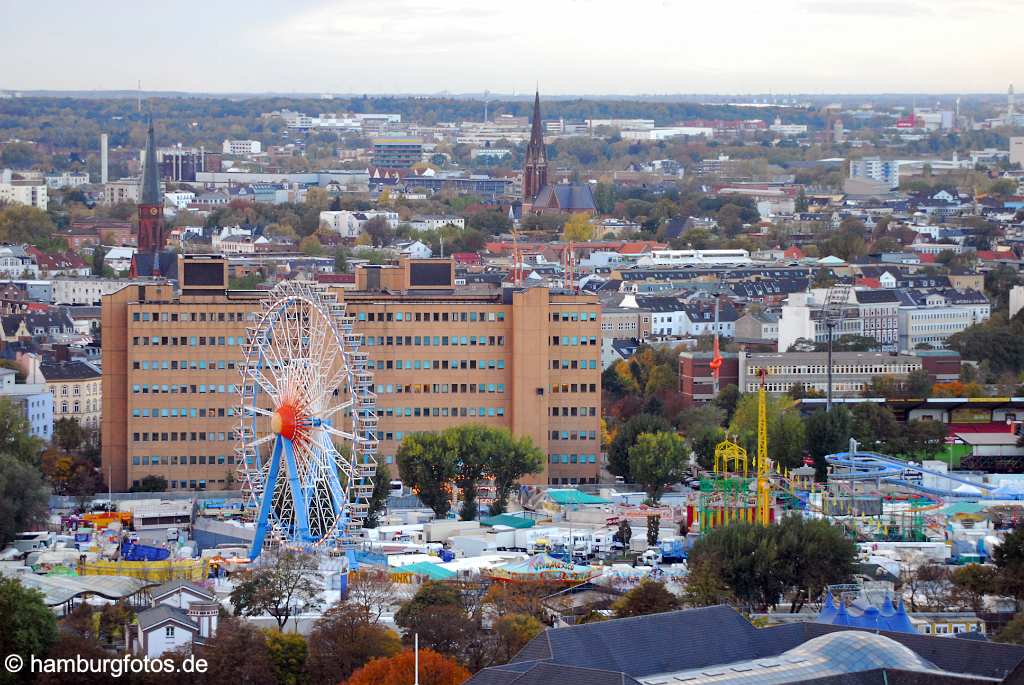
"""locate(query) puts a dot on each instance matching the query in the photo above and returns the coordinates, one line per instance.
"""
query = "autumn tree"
(434, 669)
(288, 655)
(512, 632)
(436, 613)
(649, 597)
(626, 437)
(345, 639)
(237, 653)
(577, 228)
(281, 586)
(373, 591)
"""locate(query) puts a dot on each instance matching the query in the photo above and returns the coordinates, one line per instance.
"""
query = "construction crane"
(764, 492)
(833, 312)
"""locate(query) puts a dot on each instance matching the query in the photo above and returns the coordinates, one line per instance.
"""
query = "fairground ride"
(307, 437)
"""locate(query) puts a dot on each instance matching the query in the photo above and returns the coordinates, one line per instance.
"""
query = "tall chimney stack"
(103, 157)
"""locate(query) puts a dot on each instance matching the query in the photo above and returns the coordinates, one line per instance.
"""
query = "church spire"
(535, 170)
(151, 171)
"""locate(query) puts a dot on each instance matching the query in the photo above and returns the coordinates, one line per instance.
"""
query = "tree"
(379, 231)
(24, 499)
(828, 433)
(649, 597)
(150, 483)
(875, 427)
(925, 438)
(786, 429)
(653, 529)
(345, 639)
(30, 628)
(437, 615)
(288, 653)
(427, 464)
(578, 228)
(656, 461)
(626, 437)
(435, 669)
(372, 591)
(379, 496)
(812, 554)
(972, 582)
(23, 224)
(237, 653)
(1009, 559)
(513, 631)
(521, 458)
(704, 587)
(1013, 632)
(281, 587)
(624, 534)
(68, 434)
(476, 448)
(310, 245)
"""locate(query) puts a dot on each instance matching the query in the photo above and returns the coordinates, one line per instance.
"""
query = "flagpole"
(416, 651)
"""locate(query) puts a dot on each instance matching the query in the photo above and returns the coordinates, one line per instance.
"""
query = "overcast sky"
(568, 46)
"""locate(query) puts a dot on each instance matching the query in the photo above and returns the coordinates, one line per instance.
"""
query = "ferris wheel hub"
(285, 421)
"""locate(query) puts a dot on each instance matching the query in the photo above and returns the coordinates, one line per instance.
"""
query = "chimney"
(104, 142)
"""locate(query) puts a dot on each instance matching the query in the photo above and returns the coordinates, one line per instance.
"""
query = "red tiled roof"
(336, 278)
(868, 282)
(927, 258)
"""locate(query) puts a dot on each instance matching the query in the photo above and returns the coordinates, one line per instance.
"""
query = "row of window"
(572, 458)
(190, 484)
(174, 412)
(193, 460)
(427, 364)
(573, 387)
(195, 317)
(146, 436)
(440, 388)
(418, 317)
(440, 411)
(174, 389)
(573, 316)
(573, 363)
(572, 411)
(573, 340)
(183, 365)
(574, 435)
(76, 389)
(434, 341)
(188, 340)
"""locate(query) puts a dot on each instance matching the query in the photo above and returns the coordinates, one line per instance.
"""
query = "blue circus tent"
(867, 618)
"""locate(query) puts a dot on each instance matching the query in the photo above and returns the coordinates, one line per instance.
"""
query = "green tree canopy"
(656, 461)
(785, 428)
(649, 597)
(626, 437)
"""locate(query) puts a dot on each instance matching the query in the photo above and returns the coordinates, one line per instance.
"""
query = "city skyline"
(569, 47)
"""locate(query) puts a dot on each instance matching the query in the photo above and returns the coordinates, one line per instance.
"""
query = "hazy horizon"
(570, 47)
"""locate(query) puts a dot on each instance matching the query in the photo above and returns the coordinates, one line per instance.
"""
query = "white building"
(885, 171)
(1017, 150)
(15, 262)
(695, 258)
(930, 318)
(119, 258)
(182, 613)
(125, 190)
(435, 222)
(87, 290)
(31, 193)
(787, 130)
(67, 179)
(1016, 299)
(414, 249)
(180, 199)
(241, 148)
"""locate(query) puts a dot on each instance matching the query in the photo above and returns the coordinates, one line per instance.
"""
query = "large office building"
(397, 153)
(526, 359)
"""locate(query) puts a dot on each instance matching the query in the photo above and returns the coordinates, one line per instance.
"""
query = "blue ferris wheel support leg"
(298, 495)
(266, 502)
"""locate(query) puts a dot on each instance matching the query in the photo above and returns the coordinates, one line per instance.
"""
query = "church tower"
(535, 171)
(151, 203)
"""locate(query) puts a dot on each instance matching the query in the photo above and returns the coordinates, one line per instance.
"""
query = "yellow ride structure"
(731, 458)
(764, 490)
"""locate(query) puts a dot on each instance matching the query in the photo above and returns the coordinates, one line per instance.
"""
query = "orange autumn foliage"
(435, 669)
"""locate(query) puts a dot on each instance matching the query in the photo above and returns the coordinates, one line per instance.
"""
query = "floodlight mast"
(833, 313)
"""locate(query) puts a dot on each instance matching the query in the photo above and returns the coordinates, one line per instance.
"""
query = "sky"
(625, 47)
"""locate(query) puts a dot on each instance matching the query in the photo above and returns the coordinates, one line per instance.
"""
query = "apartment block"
(523, 359)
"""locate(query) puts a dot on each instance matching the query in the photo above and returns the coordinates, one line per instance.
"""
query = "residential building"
(76, 390)
(626, 322)
(876, 169)
(125, 190)
(30, 193)
(758, 325)
(737, 257)
(397, 153)
(523, 359)
(696, 381)
(66, 179)
(1016, 300)
(241, 148)
(928, 319)
(183, 614)
(33, 400)
(16, 262)
(431, 222)
(1017, 150)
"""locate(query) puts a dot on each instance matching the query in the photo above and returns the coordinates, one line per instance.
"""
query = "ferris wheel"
(307, 437)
